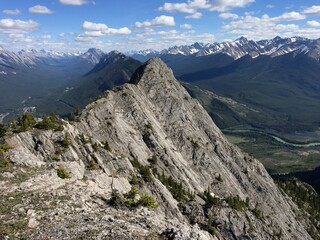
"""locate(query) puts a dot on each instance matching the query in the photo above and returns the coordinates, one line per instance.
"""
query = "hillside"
(112, 70)
(145, 161)
(28, 77)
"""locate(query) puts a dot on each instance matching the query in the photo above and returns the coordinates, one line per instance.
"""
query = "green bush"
(55, 157)
(129, 199)
(210, 200)
(4, 162)
(258, 213)
(3, 130)
(237, 203)
(66, 142)
(24, 122)
(153, 160)
(107, 146)
(143, 170)
(147, 201)
(63, 173)
(51, 122)
(176, 188)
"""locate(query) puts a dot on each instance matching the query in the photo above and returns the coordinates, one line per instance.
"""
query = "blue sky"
(76, 25)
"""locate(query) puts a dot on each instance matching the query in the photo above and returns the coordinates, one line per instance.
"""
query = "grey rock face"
(151, 117)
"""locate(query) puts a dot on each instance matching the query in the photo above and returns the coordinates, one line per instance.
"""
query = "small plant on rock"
(63, 173)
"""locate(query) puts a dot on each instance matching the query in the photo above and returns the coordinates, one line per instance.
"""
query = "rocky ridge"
(142, 133)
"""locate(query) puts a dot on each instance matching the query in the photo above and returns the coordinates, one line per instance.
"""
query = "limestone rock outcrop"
(152, 134)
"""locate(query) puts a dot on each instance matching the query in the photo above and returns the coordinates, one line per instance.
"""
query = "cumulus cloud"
(19, 38)
(186, 26)
(189, 7)
(290, 16)
(268, 27)
(193, 6)
(11, 12)
(312, 10)
(228, 16)
(196, 15)
(39, 9)
(313, 23)
(157, 22)
(223, 5)
(73, 2)
(8, 26)
(101, 29)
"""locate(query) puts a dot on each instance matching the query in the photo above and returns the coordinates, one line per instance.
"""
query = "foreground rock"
(149, 133)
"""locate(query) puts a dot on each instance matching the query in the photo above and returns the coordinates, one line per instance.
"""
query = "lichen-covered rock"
(151, 134)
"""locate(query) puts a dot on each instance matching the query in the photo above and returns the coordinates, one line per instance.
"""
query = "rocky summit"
(144, 161)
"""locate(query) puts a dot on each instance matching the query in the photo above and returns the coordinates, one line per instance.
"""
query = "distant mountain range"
(235, 49)
(40, 81)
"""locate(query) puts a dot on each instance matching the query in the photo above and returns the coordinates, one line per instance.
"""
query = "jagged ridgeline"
(145, 161)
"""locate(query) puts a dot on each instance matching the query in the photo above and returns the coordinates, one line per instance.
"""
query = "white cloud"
(189, 7)
(266, 27)
(228, 16)
(19, 38)
(313, 23)
(11, 12)
(186, 26)
(167, 32)
(269, 6)
(193, 6)
(157, 22)
(101, 29)
(226, 5)
(94, 26)
(39, 9)
(312, 10)
(46, 36)
(196, 15)
(8, 26)
(290, 16)
(73, 2)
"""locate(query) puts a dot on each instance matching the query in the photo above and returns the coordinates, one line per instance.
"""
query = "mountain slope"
(150, 133)
(113, 69)
(284, 86)
(27, 77)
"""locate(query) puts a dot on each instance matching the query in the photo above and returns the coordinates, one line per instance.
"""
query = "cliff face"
(149, 133)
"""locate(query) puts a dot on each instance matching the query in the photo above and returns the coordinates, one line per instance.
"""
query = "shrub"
(50, 122)
(143, 170)
(66, 140)
(210, 200)
(129, 199)
(147, 201)
(4, 162)
(153, 160)
(258, 213)
(3, 130)
(237, 203)
(24, 122)
(55, 157)
(63, 173)
(107, 146)
(176, 188)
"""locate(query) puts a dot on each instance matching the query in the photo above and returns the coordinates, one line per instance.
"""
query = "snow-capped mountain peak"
(238, 48)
